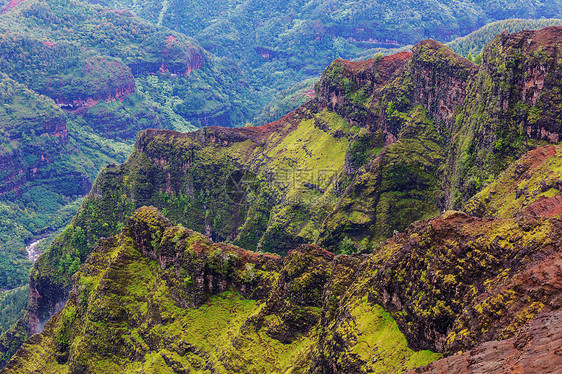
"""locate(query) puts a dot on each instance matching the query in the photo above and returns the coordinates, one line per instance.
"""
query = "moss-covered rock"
(162, 298)
(530, 186)
(386, 142)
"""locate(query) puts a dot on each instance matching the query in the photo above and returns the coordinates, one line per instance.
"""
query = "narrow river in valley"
(32, 250)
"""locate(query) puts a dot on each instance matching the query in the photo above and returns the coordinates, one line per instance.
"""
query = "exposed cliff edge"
(165, 296)
(385, 142)
(33, 134)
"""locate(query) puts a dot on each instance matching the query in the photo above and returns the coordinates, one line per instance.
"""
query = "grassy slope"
(126, 304)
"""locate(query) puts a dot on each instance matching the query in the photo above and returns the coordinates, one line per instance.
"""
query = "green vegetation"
(12, 306)
(381, 342)
(473, 43)
(384, 143)
(400, 187)
(44, 171)
(96, 65)
(530, 184)
(74, 52)
(514, 121)
(161, 298)
(281, 43)
(322, 174)
(143, 315)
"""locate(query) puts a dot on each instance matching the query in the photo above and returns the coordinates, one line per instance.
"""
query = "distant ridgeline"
(77, 82)
(282, 42)
(474, 42)
(385, 142)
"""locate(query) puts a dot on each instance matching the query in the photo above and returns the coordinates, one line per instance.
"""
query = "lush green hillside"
(79, 46)
(287, 101)
(474, 42)
(385, 142)
(283, 43)
(77, 83)
(225, 328)
(158, 78)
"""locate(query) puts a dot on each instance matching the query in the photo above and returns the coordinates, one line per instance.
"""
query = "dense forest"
(78, 81)
(282, 42)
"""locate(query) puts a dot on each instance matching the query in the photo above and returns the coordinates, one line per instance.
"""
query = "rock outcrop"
(163, 295)
(535, 349)
(385, 142)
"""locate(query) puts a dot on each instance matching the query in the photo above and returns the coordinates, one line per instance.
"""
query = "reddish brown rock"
(537, 348)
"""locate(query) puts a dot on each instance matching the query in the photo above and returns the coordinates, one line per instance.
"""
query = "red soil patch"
(404, 56)
(549, 36)
(537, 157)
(385, 61)
(545, 207)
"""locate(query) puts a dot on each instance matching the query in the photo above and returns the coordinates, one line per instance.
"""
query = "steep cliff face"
(457, 281)
(531, 186)
(535, 58)
(438, 79)
(34, 134)
(165, 297)
(379, 89)
(471, 139)
(385, 142)
(371, 154)
(351, 88)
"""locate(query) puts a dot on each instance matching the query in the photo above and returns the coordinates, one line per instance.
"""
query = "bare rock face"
(438, 79)
(535, 349)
